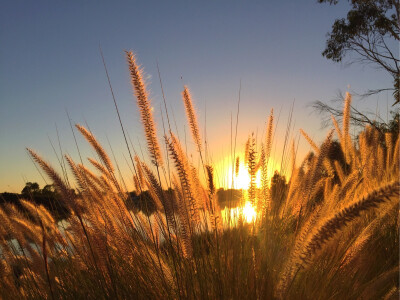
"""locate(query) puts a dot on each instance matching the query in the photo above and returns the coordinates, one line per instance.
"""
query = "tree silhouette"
(371, 30)
(31, 188)
(278, 192)
(48, 190)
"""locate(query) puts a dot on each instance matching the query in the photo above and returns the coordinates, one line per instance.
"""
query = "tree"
(30, 188)
(48, 197)
(371, 30)
(357, 117)
(278, 192)
(48, 189)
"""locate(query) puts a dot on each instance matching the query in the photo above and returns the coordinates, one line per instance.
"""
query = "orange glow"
(231, 216)
(249, 212)
(242, 180)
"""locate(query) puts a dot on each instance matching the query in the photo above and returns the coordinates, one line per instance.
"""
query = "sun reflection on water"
(249, 212)
(231, 216)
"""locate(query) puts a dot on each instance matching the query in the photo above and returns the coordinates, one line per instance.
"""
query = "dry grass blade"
(146, 114)
(77, 174)
(337, 128)
(246, 151)
(191, 116)
(210, 179)
(356, 248)
(349, 213)
(251, 163)
(96, 146)
(389, 149)
(268, 136)
(58, 182)
(154, 187)
(184, 174)
(346, 124)
(375, 287)
(105, 172)
(264, 184)
(310, 141)
(237, 166)
(212, 204)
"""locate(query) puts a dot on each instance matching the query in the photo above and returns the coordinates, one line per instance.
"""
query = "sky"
(50, 65)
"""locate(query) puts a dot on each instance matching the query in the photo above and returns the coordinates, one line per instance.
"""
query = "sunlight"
(231, 216)
(249, 213)
(242, 180)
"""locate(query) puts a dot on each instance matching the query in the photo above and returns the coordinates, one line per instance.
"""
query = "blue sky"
(50, 63)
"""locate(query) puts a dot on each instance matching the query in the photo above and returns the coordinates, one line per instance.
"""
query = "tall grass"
(329, 232)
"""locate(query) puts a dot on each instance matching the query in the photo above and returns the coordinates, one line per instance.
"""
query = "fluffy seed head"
(143, 102)
(191, 116)
(96, 146)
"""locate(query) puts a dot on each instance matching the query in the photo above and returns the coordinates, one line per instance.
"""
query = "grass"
(330, 232)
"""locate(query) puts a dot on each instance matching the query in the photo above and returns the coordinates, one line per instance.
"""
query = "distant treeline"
(49, 198)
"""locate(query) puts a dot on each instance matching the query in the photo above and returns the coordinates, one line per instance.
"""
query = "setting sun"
(241, 180)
